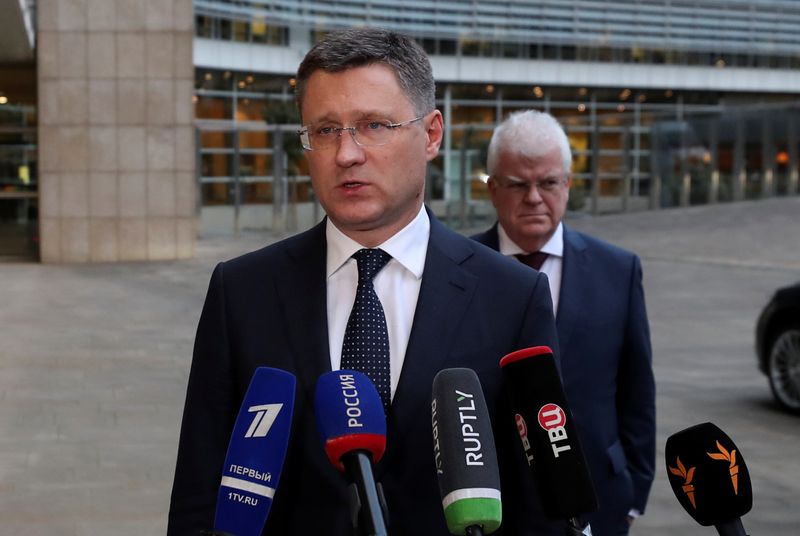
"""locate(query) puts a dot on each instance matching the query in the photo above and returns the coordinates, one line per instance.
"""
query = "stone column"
(116, 145)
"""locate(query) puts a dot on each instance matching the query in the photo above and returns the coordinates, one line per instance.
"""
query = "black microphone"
(466, 461)
(549, 437)
(352, 424)
(255, 455)
(709, 477)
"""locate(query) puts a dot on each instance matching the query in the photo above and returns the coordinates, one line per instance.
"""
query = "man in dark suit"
(366, 98)
(602, 325)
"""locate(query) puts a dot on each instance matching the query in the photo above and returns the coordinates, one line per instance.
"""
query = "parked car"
(778, 346)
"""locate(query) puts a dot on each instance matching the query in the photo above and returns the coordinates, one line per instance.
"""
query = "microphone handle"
(575, 528)
(733, 527)
(474, 530)
(358, 466)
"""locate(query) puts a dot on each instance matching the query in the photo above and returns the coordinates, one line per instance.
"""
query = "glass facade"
(19, 174)
(636, 146)
(633, 149)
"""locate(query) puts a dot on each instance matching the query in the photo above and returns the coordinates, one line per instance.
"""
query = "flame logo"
(733, 468)
(688, 487)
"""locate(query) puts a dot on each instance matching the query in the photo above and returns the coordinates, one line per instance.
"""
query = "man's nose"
(348, 152)
(532, 195)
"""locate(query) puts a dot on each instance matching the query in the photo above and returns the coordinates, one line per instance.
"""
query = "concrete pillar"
(594, 130)
(713, 149)
(116, 143)
(739, 171)
(794, 159)
(625, 142)
(767, 158)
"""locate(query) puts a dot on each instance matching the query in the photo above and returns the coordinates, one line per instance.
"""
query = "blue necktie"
(366, 340)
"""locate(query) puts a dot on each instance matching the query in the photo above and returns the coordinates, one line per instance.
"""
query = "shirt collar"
(409, 246)
(553, 247)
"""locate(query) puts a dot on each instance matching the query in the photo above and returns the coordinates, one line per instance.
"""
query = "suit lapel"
(306, 309)
(574, 276)
(445, 292)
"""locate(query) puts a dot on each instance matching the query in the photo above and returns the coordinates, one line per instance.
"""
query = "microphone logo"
(733, 468)
(522, 429)
(551, 416)
(263, 420)
(552, 419)
(688, 487)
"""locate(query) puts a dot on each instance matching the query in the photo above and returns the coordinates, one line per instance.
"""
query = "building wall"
(116, 142)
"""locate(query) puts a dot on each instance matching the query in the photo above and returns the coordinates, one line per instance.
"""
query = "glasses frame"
(511, 183)
(305, 139)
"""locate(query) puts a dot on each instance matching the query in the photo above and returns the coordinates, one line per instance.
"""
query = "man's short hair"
(359, 47)
(530, 133)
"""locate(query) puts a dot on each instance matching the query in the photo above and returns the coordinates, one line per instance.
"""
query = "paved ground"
(94, 361)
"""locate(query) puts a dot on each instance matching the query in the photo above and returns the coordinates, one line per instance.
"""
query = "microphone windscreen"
(256, 452)
(708, 474)
(548, 434)
(349, 415)
(463, 446)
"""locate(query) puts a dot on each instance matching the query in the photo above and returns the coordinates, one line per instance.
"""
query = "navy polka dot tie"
(366, 340)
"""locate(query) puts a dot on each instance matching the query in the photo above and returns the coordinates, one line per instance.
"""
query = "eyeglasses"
(366, 133)
(516, 185)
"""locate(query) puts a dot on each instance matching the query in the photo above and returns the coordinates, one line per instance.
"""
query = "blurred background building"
(666, 103)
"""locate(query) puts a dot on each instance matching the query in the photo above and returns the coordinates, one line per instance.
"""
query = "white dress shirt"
(397, 286)
(553, 264)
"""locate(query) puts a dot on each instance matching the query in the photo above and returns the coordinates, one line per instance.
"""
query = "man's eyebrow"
(367, 114)
(510, 178)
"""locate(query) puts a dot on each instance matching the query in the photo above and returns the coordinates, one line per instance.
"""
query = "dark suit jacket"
(268, 308)
(606, 365)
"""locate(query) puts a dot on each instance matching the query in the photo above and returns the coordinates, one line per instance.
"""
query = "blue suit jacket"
(606, 365)
(268, 308)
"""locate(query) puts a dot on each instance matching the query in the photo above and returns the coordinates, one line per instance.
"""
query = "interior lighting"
(720, 63)
(583, 91)
(624, 94)
(642, 97)
(241, 84)
(668, 93)
(581, 107)
(249, 78)
(620, 107)
(489, 88)
(782, 157)
(3, 99)
(538, 92)
(292, 82)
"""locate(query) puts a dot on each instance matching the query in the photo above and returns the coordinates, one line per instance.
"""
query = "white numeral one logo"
(262, 422)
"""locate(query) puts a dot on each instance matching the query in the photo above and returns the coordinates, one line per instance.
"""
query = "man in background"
(598, 300)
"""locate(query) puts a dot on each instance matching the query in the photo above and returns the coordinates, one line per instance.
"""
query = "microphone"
(466, 461)
(549, 437)
(352, 424)
(709, 477)
(255, 455)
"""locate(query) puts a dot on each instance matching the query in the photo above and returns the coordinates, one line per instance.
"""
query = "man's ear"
(434, 130)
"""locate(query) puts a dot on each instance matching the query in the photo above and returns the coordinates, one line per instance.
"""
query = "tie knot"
(370, 262)
(535, 260)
